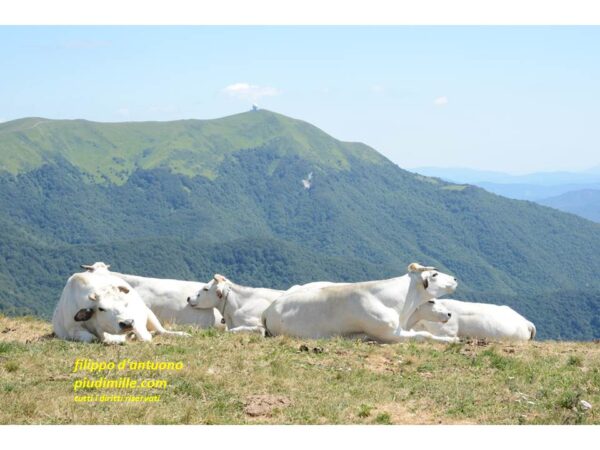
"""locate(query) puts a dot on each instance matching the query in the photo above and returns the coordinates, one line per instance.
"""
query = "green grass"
(455, 187)
(238, 379)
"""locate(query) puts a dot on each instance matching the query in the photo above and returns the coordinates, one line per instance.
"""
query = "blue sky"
(515, 99)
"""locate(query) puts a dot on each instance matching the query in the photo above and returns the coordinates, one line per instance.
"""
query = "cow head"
(96, 267)
(434, 282)
(432, 311)
(109, 307)
(212, 294)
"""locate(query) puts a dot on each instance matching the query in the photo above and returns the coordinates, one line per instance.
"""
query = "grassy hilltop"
(239, 379)
(111, 152)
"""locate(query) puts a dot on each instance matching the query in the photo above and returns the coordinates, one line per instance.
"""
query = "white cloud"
(377, 89)
(251, 92)
(441, 101)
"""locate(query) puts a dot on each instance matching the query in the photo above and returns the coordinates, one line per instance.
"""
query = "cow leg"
(383, 324)
(84, 336)
(380, 322)
(248, 329)
(154, 324)
(113, 338)
(406, 335)
(142, 334)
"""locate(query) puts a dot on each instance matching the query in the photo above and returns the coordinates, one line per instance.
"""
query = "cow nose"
(189, 299)
(455, 279)
(449, 315)
(126, 324)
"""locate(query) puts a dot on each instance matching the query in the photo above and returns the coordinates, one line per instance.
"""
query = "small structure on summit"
(254, 107)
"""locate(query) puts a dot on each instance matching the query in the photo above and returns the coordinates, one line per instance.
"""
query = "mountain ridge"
(364, 219)
(111, 151)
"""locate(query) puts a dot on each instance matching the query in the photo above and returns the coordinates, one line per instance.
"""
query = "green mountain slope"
(190, 198)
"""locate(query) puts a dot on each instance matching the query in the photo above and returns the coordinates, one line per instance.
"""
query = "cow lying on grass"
(166, 298)
(240, 306)
(100, 306)
(379, 309)
(481, 321)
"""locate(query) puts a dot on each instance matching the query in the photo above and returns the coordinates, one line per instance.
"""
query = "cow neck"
(415, 296)
(412, 320)
(224, 302)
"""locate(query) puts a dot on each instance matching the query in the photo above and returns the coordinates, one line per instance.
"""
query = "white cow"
(167, 298)
(240, 306)
(432, 311)
(103, 307)
(482, 321)
(380, 309)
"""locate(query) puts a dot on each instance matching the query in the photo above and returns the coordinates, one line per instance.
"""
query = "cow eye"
(434, 275)
(431, 301)
(101, 309)
(205, 289)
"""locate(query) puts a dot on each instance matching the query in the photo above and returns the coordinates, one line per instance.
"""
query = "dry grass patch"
(265, 404)
(237, 378)
(24, 329)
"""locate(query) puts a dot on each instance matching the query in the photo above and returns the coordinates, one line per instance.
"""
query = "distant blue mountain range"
(574, 192)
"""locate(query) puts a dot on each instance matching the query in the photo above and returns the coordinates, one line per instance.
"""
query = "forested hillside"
(190, 198)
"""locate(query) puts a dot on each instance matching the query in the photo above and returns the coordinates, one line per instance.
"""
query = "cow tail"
(531, 331)
(263, 320)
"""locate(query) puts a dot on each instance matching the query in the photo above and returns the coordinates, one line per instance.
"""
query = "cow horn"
(416, 267)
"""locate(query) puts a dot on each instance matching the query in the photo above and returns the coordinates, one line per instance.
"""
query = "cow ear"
(93, 297)
(84, 314)
(124, 289)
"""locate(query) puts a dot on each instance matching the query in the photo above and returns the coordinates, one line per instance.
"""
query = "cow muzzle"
(126, 325)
